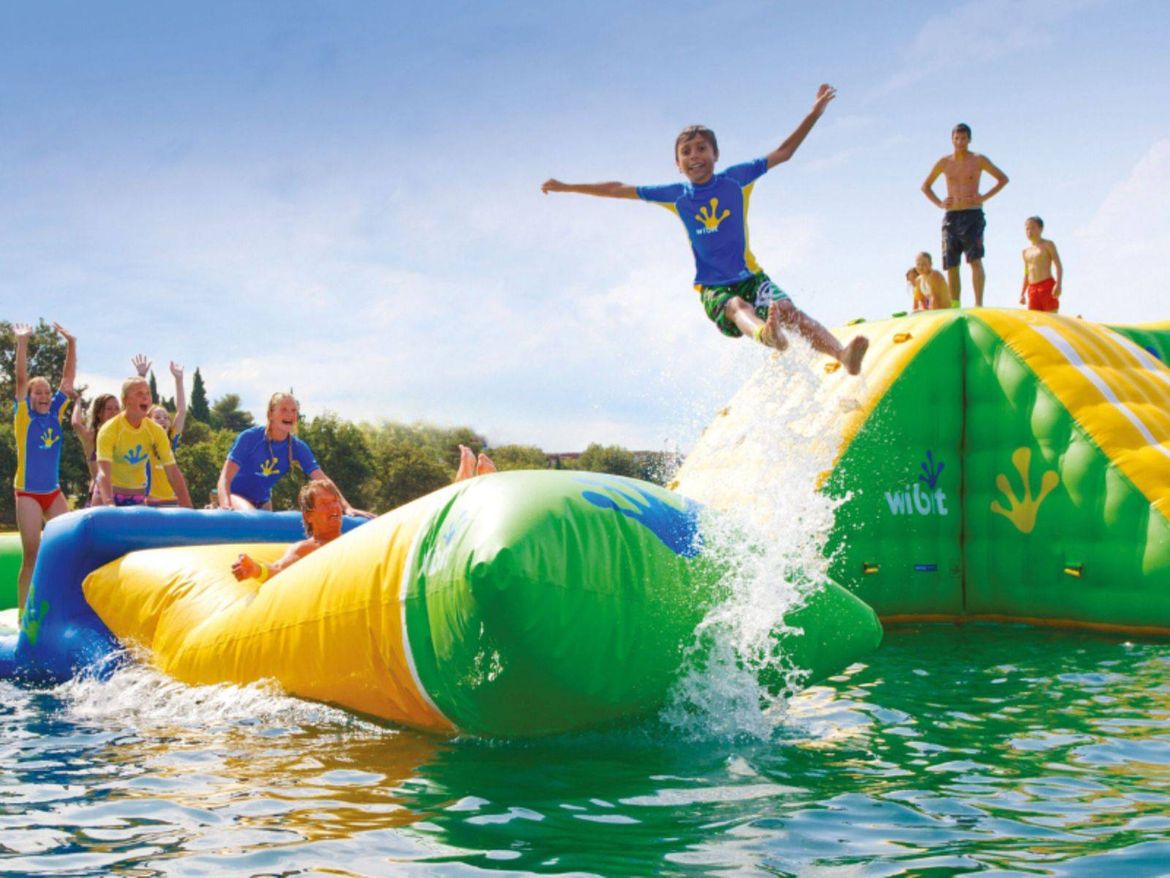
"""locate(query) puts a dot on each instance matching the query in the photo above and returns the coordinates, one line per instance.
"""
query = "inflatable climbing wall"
(989, 464)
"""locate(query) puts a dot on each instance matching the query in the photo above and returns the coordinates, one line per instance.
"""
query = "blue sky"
(344, 198)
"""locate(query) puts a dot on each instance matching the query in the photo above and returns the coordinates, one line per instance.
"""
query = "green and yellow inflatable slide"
(512, 604)
(991, 464)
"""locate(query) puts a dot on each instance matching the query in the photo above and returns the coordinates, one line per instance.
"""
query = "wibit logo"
(49, 438)
(268, 468)
(135, 455)
(1023, 509)
(678, 529)
(924, 497)
(710, 217)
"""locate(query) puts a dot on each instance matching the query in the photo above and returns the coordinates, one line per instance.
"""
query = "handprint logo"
(677, 529)
(135, 455)
(931, 470)
(1023, 509)
(710, 216)
(49, 438)
(268, 468)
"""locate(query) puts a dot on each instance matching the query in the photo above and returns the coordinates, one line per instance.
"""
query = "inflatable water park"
(999, 465)
(993, 465)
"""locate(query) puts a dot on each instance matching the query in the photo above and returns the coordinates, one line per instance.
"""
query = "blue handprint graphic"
(678, 529)
(135, 455)
(931, 470)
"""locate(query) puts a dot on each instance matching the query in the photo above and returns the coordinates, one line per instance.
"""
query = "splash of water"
(734, 683)
(140, 697)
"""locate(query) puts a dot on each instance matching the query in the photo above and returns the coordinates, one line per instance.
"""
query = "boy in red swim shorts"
(1041, 290)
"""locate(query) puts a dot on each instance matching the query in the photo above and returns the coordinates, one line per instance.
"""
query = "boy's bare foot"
(854, 353)
(466, 464)
(773, 336)
(484, 465)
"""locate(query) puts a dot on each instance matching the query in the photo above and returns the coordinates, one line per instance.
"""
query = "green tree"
(195, 431)
(405, 472)
(507, 457)
(198, 408)
(226, 414)
(46, 357)
(658, 467)
(7, 471)
(201, 462)
(344, 454)
(612, 459)
(153, 387)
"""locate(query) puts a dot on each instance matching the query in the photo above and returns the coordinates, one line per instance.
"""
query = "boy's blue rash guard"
(715, 217)
(262, 462)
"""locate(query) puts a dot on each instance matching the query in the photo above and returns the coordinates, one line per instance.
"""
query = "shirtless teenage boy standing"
(963, 224)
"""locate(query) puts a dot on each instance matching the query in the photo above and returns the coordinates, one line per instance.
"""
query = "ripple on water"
(873, 773)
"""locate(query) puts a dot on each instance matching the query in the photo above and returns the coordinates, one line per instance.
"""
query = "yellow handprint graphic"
(707, 216)
(268, 468)
(1023, 510)
(50, 438)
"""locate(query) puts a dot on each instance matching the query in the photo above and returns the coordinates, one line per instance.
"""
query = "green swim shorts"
(758, 291)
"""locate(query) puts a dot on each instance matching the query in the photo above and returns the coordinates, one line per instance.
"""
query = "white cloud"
(974, 33)
(1119, 252)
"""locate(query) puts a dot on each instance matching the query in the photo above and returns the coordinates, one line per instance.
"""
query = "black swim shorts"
(962, 232)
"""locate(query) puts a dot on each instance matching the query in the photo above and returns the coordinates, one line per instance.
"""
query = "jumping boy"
(931, 283)
(38, 421)
(1041, 289)
(963, 223)
(736, 294)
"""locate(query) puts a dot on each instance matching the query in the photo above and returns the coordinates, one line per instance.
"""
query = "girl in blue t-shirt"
(38, 422)
(261, 455)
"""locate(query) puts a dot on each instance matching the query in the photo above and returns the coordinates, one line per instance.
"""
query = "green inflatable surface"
(10, 558)
(994, 464)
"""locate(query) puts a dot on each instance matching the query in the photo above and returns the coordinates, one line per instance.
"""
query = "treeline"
(377, 466)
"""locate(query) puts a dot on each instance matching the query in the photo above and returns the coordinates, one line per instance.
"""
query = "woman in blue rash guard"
(261, 455)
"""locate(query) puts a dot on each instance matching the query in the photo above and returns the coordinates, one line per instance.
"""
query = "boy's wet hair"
(929, 258)
(693, 131)
(39, 380)
(307, 498)
(962, 126)
(1036, 220)
(95, 410)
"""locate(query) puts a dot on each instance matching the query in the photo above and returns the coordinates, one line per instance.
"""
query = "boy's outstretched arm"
(605, 190)
(788, 148)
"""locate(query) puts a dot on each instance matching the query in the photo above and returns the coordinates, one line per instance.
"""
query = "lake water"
(1002, 750)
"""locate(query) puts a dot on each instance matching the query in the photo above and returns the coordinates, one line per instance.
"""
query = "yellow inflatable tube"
(522, 603)
(328, 629)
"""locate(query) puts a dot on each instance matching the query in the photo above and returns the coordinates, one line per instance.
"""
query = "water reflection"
(951, 750)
